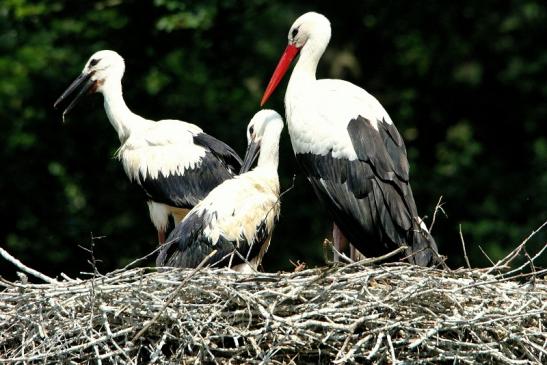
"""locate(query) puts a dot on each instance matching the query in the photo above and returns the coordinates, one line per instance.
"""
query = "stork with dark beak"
(237, 218)
(174, 162)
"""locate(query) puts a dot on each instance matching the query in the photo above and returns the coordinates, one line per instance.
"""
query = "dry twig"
(359, 312)
(6, 255)
(464, 250)
(438, 207)
(343, 313)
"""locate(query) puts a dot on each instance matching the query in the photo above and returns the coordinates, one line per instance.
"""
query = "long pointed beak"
(250, 156)
(282, 67)
(84, 80)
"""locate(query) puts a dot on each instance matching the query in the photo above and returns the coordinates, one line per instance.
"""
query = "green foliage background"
(466, 83)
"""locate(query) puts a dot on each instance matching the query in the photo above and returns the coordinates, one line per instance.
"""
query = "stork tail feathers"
(424, 250)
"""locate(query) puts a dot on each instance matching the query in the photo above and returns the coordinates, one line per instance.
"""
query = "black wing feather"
(187, 245)
(396, 149)
(370, 198)
(185, 191)
(221, 150)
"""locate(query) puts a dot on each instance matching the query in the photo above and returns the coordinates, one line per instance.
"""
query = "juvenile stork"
(350, 150)
(174, 162)
(237, 217)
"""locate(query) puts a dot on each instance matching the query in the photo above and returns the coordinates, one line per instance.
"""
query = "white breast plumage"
(318, 118)
(257, 201)
(152, 150)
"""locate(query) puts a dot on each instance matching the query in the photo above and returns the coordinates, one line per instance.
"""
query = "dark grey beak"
(83, 82)
(250, 156)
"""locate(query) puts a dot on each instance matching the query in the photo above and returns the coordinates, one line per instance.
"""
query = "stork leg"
(340, 241)
(161, 237)
(355, 254)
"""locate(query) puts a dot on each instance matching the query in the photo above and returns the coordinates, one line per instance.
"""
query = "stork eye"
(251, 129)
(93, 62)
(294, 32)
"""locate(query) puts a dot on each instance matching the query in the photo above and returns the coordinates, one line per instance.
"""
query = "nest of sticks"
(357, 312)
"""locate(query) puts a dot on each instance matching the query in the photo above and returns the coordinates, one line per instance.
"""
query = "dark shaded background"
(466, 84)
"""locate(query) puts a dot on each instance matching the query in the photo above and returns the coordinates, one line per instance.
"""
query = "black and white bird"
(174, 162)
(237, 218)
(350, 150)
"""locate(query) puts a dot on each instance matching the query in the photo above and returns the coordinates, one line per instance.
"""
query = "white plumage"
(240, 205)
(175, 162)
(350, 150)
(166, 147)
(238, 216)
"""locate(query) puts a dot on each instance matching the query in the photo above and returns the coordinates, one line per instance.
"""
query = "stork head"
(102, 67)
(312, 29)
(263, 125)
(309, 25)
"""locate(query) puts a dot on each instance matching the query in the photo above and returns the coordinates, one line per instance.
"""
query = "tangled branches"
(359, 312)
(335, 314)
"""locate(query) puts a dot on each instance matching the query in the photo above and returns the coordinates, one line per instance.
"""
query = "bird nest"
(357, 312)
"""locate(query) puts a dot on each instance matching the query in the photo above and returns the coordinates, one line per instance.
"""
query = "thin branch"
(360, 312)
(374, 260)
(530, 261)
(464, 250)
(5, 254)
(145, 257)
(438, 207)
(173, 296)
(486, 255)
(511, 256)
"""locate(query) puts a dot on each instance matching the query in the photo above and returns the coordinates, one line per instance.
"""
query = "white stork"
(350, 151)
(237, 217)
(174, 162)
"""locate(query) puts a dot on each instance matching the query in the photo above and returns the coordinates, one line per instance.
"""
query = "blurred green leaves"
(464, 82)
(458, 151)
(201, 18)
(75, 199)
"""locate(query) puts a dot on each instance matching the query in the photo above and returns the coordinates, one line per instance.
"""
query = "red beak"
(282, 66)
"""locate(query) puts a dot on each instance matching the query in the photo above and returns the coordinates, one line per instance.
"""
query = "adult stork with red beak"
(351, 152)
(174, 162)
